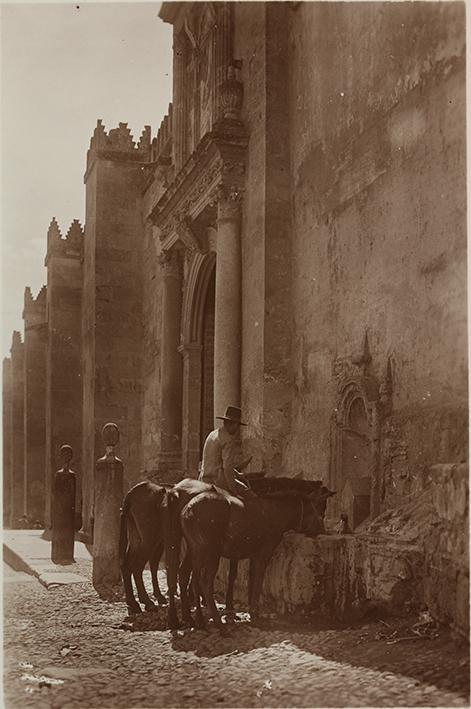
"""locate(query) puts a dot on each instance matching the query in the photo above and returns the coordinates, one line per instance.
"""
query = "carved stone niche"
(356, 459)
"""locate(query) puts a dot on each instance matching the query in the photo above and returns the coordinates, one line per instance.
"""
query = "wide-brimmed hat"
(233, 413)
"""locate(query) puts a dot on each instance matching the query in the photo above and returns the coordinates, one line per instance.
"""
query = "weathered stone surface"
(108, 495)
(410, 557)
(378, 175)
(7, 440)
(64, 349)
(35, 346)
(18, 492)
(112, 306)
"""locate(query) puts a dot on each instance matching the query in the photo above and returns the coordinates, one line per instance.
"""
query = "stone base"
(407, 559)
(336, 576)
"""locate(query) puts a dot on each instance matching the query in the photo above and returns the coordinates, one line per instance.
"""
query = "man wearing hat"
(222, 454)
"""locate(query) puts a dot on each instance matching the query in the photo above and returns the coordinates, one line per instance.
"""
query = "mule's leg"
(184, 574)
(230, 586)
(210, 568)
(154, 567)
(258, 565)
(127, 563)
(132, 604)
(139, 564)
(196, 588)
(173, 539)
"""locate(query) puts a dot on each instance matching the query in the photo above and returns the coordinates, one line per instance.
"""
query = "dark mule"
(141, 541)
(216, 524)
(175, 500)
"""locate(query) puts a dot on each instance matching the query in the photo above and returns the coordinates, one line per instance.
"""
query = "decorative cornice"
(219, 161)
(178, 229)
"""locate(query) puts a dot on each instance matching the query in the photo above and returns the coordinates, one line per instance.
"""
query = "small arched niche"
(355, 454)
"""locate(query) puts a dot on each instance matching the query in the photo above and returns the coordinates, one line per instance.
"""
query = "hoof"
(134, 610)
(151, 608)
(173, 622)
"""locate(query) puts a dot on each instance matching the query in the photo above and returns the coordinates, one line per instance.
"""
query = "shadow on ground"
(385, 646)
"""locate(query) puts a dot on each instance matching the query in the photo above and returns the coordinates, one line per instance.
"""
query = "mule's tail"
(123, 530)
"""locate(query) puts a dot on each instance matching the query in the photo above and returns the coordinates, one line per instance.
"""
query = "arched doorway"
(197, 349)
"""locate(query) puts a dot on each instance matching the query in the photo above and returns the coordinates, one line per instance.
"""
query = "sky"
(63, 66)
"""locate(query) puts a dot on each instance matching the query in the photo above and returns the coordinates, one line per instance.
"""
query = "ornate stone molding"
(231, 94)
(214, 171)
(228, 203)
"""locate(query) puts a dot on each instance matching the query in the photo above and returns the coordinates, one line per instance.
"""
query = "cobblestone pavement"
(64, 648)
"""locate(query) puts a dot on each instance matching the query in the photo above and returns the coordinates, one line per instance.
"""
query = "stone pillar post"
(191, 408)
(108, 498)
(63, 511)
(228, 331)
(171, 367)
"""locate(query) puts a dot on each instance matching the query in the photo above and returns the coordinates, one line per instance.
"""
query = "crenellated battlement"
(119, 143)
(16, 340)
(162, 143)
(69, 246)
(34, 311)
(32, 304)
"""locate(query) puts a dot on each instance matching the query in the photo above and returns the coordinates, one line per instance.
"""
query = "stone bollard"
(63, 511)
(108, 498)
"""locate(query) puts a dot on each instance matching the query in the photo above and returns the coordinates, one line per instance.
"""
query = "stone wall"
(18, 502)
(7, 439)
(447, 548)
(35, 347)
(112, 308)
(63, 359)
(377, 128)
(408, 559)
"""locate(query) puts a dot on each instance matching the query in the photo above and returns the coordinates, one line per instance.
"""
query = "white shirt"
(221, 454)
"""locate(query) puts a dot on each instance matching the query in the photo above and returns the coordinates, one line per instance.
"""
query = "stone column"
(228, 331)
(170, 367)
(191, 408)
(108, 498)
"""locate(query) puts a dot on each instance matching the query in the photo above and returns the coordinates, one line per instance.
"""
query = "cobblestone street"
(64, 648)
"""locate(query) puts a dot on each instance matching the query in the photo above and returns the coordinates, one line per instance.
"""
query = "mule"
(215, 524)
(141, 540)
